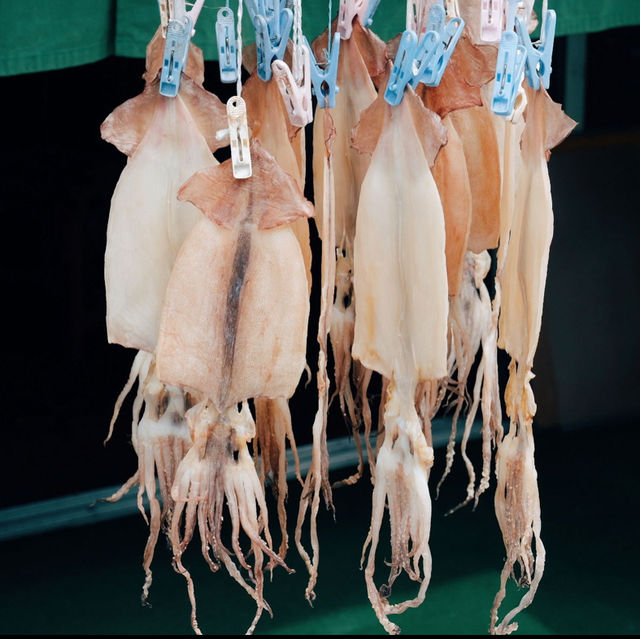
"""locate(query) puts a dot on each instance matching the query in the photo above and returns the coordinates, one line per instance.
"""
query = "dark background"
(61, 377)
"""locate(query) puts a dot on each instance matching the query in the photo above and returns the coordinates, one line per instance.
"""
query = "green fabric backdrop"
(52, 34)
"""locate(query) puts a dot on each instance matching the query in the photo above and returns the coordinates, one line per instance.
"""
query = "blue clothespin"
(176, 49)
(324, 80)
(538, 64)
(512, 57)
(268, 50)
(427, 48)
(403, 68)
(437, 18)
(449, 36)
(373, 5)
(227, 45)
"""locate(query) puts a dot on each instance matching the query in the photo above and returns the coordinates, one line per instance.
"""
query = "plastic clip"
(324, 80)
(437, 65)
(491, 15)
(437, 19)
(239, 138)
(371, 9)
(348, 10)
(427, 48)
(266, 49)
(403, 68)
(227, 45)
(509, 69)
(176, 49)
(296, 98)
(538, 65)
(163, 6)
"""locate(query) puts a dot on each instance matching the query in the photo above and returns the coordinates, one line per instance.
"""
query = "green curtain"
(53, 34)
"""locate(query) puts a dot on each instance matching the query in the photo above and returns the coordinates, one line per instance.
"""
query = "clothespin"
(538, 63)
(402, 72)
(417, 16)
(491, 15)
(163, 5)
(324, 80)
(448, 40)
(452, 9)
(371, 9)
(180, 29)
(296, 98)
(239, 138)
(227, 45)
(267, 49)
(437, 18)
(350, 9)
(422, 67)
(512, 57)
(436, 47)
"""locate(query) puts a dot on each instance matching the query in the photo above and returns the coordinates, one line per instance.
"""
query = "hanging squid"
(522, 280)
(233, 328)
(270, 125)
(166, 141)
(400, 285)
(362, 56)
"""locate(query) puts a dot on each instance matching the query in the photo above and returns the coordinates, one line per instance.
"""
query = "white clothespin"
(163, 5)
(239, 138)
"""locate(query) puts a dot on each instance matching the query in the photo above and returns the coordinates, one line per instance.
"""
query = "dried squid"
(270, 125)
(400, 284)
(167, 140)
(362, 56)
(233, 328)
(522, 283)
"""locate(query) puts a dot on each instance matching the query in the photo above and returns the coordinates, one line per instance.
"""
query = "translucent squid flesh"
(233, 327)
(401, 324)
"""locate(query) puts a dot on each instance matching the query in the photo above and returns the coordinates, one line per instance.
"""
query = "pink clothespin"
(491, 17)
(296, 97)
(348, 10)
